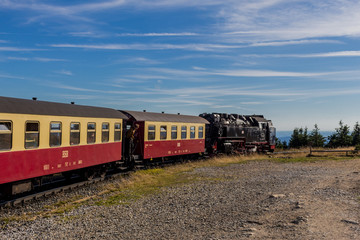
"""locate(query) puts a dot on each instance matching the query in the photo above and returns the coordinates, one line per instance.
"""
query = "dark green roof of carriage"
(24, 106)
(164, 117)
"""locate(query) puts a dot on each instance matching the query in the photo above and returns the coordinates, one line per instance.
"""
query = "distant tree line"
(340, 138)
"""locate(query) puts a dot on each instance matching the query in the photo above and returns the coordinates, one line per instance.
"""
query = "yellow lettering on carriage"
(65, 154)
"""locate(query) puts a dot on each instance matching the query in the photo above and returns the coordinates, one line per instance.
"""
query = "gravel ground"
(256, 200)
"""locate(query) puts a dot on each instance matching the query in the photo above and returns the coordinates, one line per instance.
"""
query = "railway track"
(21, 200)
(54, 188)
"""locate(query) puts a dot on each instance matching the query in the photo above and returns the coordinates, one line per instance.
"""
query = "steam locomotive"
(234, 133)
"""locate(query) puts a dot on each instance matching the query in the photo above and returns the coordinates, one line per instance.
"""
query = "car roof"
(25, 106)
(163, 117)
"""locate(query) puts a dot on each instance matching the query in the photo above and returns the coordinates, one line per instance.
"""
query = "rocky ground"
(256, 200)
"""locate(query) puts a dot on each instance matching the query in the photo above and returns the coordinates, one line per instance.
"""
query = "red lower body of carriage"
(21, 165)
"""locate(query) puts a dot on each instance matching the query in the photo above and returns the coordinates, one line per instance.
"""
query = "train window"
(55, 134)
(163, 132)
(5, 135)
(192, 132)
(183, 132)
(151, 132)
(201, 132)
(74, 133)
(173, 132)
(32, 133)
(117, 134)
(105, 132)
(91, 133)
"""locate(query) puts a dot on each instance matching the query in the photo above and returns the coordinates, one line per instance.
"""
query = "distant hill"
(286, 135)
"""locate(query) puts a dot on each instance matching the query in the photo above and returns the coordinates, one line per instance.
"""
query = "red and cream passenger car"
(44, 138)
(163, 135)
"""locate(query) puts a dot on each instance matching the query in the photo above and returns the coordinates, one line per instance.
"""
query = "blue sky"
(296, 62)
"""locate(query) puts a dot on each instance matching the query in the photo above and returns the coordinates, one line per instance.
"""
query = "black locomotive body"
(234, 133)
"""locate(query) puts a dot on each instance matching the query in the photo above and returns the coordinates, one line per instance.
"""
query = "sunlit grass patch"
(144, 182)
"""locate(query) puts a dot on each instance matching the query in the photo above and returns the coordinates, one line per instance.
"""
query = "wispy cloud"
(78, 96)
(332, 54)
(18, 58)
(279, 20)
(199, 68)
(40, 59)
(241, 73)
(157, 34)
(192, 47)
(138, 60)
(68, 87)
(268, 73)
(124, 80)
(5, 76)
(295, 42)
(17, 49)
(78, 12)
(147, 76)
(86, 34)
(37, 59)
(252, 103)
(220, 90)
(311, 55)
(65, 72)
(37, 11)
(61, 9)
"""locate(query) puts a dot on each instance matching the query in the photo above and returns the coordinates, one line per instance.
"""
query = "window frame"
(27, 132)
(74, 131)
(117, 130)
(91, 131)
(8, 132)
(192, 132)
(55, 131)
(162, 132)
(174, 131)
(183, 130)
(202, 132)
(107, 130)
(151, 131)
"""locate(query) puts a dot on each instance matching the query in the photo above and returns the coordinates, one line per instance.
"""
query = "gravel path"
(256, 200)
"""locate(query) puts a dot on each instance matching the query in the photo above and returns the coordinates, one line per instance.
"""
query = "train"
(40, 140)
